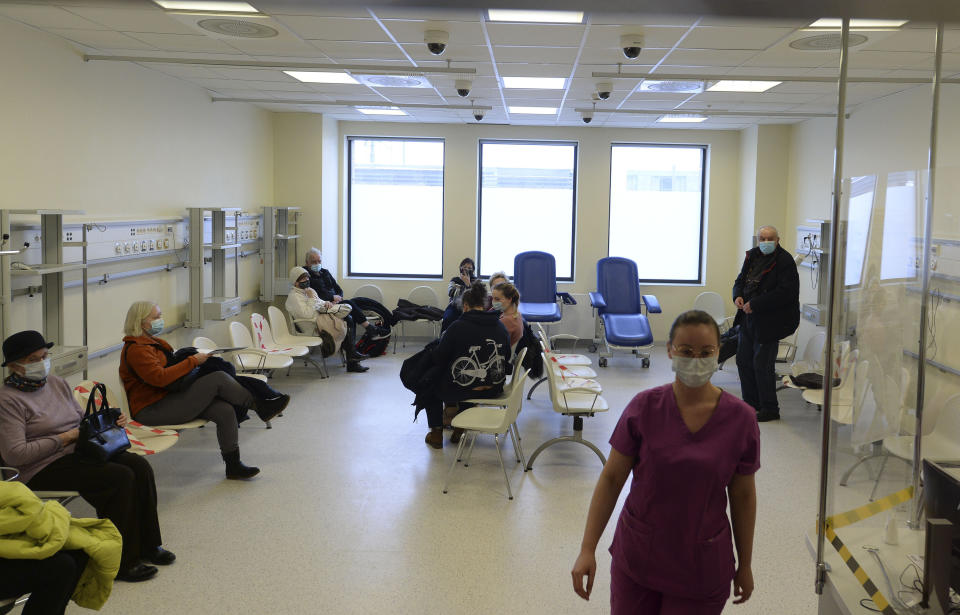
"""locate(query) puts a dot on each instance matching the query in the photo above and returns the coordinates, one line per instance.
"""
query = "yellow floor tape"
(836, 522)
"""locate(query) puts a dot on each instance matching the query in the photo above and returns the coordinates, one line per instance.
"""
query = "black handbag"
(100, 439)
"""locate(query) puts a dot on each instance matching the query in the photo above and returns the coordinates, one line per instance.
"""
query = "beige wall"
(460, 213)
(121, 141)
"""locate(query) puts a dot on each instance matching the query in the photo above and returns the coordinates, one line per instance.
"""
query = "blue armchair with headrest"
(621, 311)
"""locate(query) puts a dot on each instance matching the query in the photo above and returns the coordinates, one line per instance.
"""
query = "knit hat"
(296, 273)
(21, 344)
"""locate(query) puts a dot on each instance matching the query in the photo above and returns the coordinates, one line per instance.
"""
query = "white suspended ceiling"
(485, 51)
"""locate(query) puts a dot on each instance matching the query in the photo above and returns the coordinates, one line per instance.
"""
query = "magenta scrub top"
(673, 535)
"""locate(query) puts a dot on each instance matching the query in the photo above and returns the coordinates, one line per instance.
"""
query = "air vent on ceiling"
(684, 87)
(826, 42)
(237, 28)
(394, 81)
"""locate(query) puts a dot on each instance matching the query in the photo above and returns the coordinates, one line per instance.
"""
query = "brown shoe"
(434, 438)
(456, 435)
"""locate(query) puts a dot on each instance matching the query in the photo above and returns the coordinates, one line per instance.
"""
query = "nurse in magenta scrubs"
(689, 445)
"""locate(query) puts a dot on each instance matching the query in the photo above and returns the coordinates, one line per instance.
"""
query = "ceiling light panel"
(535, 83)
(534, 110)
(681, 119)
(742, 86)
(322, 77)
(515, 16)
(828, 23)
(210, 6)
(380, 111)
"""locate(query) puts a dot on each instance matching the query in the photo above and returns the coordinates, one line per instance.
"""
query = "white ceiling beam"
(366, 69)
(783, 78)
(711, 112)
(351, 103)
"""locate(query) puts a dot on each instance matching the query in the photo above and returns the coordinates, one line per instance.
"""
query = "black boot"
(235, 468)
(355, 366)
(266, 409)
(349, 347)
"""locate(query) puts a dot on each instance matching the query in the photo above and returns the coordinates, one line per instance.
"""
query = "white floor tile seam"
(347, 481)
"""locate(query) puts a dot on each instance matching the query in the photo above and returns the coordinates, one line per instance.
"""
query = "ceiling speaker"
(237, 28)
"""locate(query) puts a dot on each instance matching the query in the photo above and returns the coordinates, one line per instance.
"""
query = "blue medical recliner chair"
(621, 311)
(535, 276)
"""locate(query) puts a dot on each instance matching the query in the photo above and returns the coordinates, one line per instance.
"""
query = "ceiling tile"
(888, 59)
(734, 38)
(47, 17)
(519, 69)
(411, 31)
(273, 86)
(567, 35)
(101, 39)
(345, 50)
(713, 20)
(252, 74)
(186, 71)
(612, 56)
(277, 8)
(535, 55)
(184, 42)
(454, 53)
(144, 19)
(428, 14)
(653, 37)
(335, 28)
(786, 57)
(705, 57)
(275, 47)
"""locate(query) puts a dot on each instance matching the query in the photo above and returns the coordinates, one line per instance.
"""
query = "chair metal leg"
(496, 440)
(576, 437)
(269, 426)
(523, 458)
(309, 360)
(535, 385)
(473, 440)
(883, 464)
(454, 464)
(516, 447)
(876, 450)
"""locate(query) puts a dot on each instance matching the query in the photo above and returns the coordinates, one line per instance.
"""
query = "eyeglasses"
(692, 353)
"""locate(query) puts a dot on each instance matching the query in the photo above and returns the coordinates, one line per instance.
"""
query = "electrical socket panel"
(106, 240)
(248, 229)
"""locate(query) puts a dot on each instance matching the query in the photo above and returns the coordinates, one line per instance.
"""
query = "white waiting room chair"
(283, 336)
(370, 291)
(252, 358)
(712, 303)
(426, 296)
(501, 402)
(491, 420)
(144, 439)
(576, 402)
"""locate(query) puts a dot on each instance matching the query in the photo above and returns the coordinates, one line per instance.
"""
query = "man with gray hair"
(767, 296)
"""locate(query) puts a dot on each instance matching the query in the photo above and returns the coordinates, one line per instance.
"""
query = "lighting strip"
(362, 69)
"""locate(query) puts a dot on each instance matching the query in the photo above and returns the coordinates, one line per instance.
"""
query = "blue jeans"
(755, 363)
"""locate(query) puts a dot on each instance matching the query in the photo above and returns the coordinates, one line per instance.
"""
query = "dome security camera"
(436, 41)
(463, 87)
(632, 45)
(587, 117)
(604, 89)
(478, 114)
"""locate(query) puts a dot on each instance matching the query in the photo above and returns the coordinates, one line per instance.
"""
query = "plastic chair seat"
(627, 329)
(573, 371)
(188, 425)
(579, 403)
(578, 383)
(539, 312)
(485, 419)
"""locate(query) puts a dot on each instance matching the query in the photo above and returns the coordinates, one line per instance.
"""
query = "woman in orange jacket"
(146, 371)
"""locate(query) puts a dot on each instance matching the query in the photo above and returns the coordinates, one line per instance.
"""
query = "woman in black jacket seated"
(455, 289)
(472, 358)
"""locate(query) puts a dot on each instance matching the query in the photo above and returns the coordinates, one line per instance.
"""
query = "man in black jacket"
(767, 296)
(322, 281)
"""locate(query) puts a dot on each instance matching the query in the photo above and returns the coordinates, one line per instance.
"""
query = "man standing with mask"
(767, 296)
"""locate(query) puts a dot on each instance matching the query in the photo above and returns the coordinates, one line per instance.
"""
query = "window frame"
(704, 148)
(573, 221)
(349, 222)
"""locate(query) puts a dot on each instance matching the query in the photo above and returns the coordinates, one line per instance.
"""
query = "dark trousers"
(450, 315)
(755, 363)
(50, 582)
(355, 312)
(122, 490)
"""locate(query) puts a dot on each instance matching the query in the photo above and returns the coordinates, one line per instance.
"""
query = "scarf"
(22, 384)
(758, 267)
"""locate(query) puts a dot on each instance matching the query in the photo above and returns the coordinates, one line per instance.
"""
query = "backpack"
(373, 347)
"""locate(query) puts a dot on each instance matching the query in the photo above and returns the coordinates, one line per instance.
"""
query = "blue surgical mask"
(315, 268)
(767, 247)
(156, 326)
(498, 306)
(36, 371)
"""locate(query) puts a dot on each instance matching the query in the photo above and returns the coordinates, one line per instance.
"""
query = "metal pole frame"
(914, 521)
(825, 429)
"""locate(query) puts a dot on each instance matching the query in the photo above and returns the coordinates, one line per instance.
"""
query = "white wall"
(460, 213)
(889, 135)
(118, 140)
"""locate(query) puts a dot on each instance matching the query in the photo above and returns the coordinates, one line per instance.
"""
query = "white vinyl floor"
(347, 515)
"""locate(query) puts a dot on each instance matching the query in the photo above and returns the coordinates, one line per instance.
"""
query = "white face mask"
(694, 372)
(36, 371)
